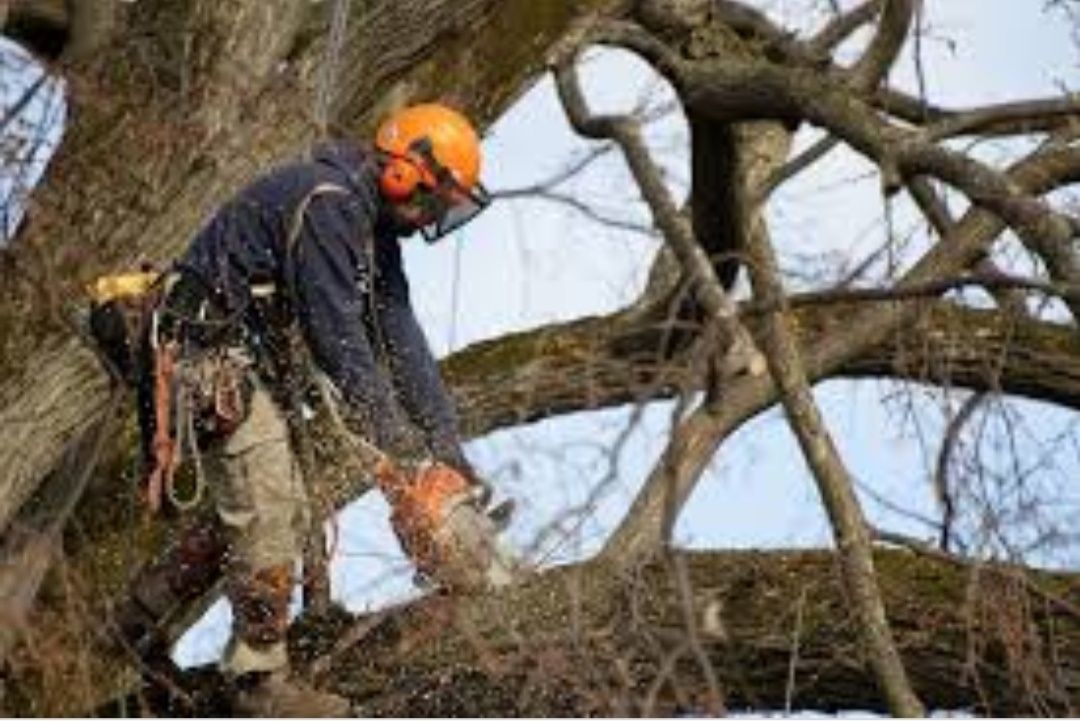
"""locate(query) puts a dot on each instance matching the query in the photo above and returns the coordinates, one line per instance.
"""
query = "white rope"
(335, 44)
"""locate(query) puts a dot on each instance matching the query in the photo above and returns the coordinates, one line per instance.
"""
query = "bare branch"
(931, 205)
(674, 226)
(892, 31)
(571, 170)
(545, 190)
(716, 215)
(691, 446)
(988, 279)
(798, 164)
(1025, 117)
(756, 89)
(843, 25)
(1004, 119)
(834, 482)
(1006, 294)
(942, 487)
(575, 203)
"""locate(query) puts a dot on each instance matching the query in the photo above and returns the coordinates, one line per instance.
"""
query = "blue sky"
(528, 263)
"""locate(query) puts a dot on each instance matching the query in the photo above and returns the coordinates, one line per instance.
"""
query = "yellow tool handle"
(122, 285)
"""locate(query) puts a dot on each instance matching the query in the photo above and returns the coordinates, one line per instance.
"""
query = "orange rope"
(164, 446)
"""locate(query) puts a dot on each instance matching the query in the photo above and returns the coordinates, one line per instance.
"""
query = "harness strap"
(166, 448)
(324, 188)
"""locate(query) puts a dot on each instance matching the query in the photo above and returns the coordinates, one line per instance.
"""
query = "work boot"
(187, 570)
(256, 657)
(277, 694)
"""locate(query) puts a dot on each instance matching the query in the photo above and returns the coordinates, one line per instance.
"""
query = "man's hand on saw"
(439, 518)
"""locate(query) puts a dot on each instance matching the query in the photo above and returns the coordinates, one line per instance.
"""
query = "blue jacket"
(317, 230)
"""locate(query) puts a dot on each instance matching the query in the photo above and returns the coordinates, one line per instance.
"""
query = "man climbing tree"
(306, 262)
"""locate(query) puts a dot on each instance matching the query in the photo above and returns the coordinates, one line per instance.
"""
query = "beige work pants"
(261, 501)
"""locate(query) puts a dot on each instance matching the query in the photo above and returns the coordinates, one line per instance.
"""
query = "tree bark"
(778, 629)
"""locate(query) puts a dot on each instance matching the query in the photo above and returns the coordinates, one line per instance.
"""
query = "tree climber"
(305, 263)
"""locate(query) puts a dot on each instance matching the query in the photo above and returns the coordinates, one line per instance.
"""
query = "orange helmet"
(433, 150)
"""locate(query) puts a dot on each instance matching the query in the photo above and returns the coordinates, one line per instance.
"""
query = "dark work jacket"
(341, 269)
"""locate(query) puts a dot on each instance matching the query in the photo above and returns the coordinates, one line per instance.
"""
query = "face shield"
(451, 214)
(447, 205)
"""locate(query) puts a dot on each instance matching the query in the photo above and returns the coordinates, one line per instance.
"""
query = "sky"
(526, 263)
(24, 147)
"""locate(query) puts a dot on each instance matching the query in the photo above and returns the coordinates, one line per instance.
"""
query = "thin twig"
(942, 487)
(928, 289)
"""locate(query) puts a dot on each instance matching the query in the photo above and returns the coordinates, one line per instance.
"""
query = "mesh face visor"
(449, 204)
(452, 215)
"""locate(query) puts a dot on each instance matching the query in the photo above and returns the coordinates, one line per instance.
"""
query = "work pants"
(261, 502)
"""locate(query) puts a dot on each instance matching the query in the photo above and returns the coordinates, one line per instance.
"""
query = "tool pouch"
(220, 388)
(118, 326)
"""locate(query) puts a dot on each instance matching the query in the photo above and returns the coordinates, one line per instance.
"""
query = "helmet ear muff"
(399, 179)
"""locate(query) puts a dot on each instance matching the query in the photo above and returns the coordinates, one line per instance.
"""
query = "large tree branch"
(754, 610)
(588, 640)
(758, 90)
(1002, 119)
(843, 25)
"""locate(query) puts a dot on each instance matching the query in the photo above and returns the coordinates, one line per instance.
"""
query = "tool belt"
(189, 364)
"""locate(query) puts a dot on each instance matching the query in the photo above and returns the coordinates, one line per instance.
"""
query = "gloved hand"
(483, 494)
(444, 530)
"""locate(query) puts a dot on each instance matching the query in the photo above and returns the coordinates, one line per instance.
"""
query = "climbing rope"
(335, 44)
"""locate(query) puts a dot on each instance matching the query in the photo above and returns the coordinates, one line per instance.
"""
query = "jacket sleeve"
(413, 367)
(332, 278)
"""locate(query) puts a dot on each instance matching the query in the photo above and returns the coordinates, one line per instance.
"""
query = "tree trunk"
(191, 101)
(194, 102)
